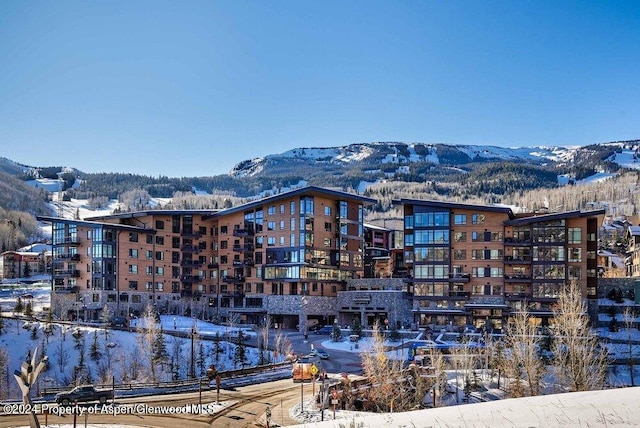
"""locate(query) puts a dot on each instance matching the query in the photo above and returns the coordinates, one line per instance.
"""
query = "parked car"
(315, 327)
(84, 393)
(327, 329)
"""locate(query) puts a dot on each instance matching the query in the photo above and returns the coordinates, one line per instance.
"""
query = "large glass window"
(460, 219)
(431, 219)
(436, 236)
(575, 235)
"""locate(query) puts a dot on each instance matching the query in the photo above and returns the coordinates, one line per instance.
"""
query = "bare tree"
(524, 344)
(628, 317)
(61, 355)
(580, 363)
(387, 392)
(147, 333)
(4, 374)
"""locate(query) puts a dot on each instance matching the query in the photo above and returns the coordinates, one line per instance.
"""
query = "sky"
(184, 89)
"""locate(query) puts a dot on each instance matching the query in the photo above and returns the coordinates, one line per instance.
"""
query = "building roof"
(308, 190)
(90, 223)
(455, 205)
(136, 214)
(553, 216)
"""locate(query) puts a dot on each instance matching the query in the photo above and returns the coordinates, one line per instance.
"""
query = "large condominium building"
(475, 265)
(284, 257)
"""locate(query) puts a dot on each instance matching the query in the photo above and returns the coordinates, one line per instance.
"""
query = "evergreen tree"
(201, 359)
(159, 347)
(34, 332)
(94, 350)
(240, 354)
(28, 309)
(27, 270)
(19, 307)
(336, 334)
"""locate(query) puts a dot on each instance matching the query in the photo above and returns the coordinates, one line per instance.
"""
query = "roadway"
(245, 407)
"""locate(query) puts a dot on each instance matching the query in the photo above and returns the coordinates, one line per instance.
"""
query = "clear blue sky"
(191, 88)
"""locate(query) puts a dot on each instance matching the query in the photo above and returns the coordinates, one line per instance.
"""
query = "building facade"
(294, 260)
(284, 257)
(475, 265)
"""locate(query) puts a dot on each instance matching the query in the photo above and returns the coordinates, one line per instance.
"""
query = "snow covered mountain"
(384, 155)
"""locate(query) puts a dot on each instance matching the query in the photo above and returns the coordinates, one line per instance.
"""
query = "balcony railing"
(243, 248)
(67, 256)
(459, 277)
(516, 260)
(213, 265)
(233, 279)
(191, 263)
(517, 277)
(460, 294)
(190, 249)
(190, 233)
(74, 273)
(243, 232)
(61, 289)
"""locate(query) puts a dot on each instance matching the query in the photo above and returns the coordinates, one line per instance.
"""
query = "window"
(327, 211)
(327, 242)
(460, 236)
(281, 224)
(271, 210)
(160, 240)
(133, 237)
(133, 253)
(159, 255)
(460, 219)
(159, 270)
(575, 235)
(159, 224)
(271, 225)
(292, 210)
(149, 239)
(224, 230)
(271, 241)
(282, 241)
(149, 270)
(292, 224)
(292, 239)
(477, 219)
(133, 269)
(224, 245)
(159, 286)
(149, 254)
(575, 254)
(133, 285)
(459, 254)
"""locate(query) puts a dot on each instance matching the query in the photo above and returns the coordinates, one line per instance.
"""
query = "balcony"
(459, 277)
(243, 232)
(525, 241)
(190, 233)
(191, 263)
(190, 278)
(518, 277)
(517, 296)
(214, 265)
(510, 260)
(190, 249)
(73, 273)
(62, 289)
(243, 248)
(68, 256)
(243, 263)
(459, 295)
(233, 279)
(71, 240)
